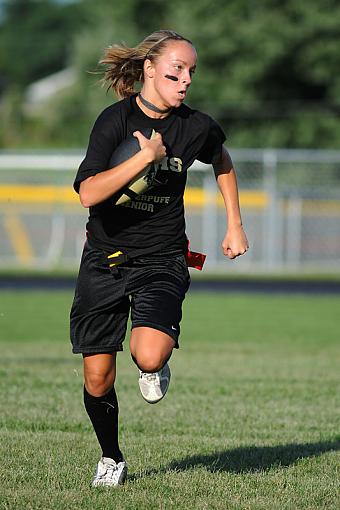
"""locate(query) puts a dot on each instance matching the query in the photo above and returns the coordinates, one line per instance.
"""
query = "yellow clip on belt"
(116, 254)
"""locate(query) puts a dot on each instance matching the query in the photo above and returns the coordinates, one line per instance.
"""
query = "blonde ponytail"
(124, 65)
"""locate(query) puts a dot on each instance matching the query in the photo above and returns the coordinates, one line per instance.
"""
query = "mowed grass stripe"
(251, 420)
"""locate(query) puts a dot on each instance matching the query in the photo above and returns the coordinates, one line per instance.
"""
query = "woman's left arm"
(235, 242)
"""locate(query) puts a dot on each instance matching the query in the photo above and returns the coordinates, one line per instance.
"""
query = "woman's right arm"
(103, 185)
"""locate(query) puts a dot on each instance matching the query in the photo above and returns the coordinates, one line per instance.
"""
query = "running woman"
(134, 260)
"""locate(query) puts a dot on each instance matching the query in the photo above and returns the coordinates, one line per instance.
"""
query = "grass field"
(251, 419)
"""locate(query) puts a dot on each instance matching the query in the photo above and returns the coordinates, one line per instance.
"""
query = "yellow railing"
(39, 197)
(18, 194)
(17, 200)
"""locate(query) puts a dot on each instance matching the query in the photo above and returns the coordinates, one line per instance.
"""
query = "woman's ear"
(149, 70)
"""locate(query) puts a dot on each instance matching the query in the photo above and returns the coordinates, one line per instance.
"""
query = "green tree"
(267, 70)
(35, 39)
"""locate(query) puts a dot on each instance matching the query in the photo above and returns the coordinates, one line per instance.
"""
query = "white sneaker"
(153, 386)
(110, 473)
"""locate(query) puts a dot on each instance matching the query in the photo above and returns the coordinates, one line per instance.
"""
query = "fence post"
(209, 220)
(294, 231)
(271, 237)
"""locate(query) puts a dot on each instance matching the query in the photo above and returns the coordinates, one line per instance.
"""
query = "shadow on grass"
(248, 459)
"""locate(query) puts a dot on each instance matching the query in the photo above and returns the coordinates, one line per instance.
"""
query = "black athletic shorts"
(153, 287)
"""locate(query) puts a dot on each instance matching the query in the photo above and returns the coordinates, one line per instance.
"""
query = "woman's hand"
(154, 148)
(235, 242)
(103, 185)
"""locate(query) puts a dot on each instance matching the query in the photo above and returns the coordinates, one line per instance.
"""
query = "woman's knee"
(150, 362)
(99, 374)
(98, 384)
(150, 348)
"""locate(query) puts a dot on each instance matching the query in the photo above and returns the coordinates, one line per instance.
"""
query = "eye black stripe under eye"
(170, 77)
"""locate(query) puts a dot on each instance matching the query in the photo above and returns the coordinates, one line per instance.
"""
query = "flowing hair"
(124, 65)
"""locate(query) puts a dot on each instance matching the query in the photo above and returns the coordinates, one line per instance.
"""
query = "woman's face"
(171, 73)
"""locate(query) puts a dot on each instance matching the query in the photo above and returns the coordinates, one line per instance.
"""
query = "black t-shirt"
(153, 221)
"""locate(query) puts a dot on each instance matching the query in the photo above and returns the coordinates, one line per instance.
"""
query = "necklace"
(151, 106)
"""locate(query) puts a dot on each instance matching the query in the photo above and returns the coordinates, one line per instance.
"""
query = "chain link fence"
(290, 202)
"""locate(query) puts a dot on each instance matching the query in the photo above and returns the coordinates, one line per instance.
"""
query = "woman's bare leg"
(99, 372)
(150, 348)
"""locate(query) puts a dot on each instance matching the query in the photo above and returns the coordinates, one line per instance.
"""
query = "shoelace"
(110, 469)
(150, 377)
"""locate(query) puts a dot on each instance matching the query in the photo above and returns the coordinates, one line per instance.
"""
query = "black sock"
(103, 413)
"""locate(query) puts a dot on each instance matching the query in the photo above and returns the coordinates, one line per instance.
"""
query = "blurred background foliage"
(268, 69)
